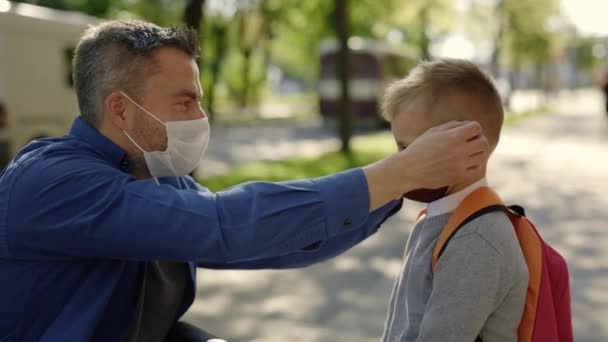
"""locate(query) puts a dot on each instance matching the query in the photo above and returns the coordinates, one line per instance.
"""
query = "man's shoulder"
(44, 160)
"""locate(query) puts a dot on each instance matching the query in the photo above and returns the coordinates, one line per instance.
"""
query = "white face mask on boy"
(187, 142)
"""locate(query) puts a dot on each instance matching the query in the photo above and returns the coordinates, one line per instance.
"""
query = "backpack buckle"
(517, 209)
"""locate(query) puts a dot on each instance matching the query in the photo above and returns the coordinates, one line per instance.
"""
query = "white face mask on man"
(187, 142)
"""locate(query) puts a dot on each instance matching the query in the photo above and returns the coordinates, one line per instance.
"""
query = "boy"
(478, 288)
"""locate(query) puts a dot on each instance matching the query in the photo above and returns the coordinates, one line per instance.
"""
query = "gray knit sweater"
(478, 288)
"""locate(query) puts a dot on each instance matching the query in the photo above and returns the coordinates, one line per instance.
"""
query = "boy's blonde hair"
(429, 81)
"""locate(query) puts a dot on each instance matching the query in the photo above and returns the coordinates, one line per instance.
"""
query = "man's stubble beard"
(149, 131)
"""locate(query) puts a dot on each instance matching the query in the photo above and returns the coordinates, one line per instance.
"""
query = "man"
(102, 229)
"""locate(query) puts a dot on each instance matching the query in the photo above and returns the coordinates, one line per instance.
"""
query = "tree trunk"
(219, 37)
(246, 66)
(494, 61)
(495, 58)
(342, 30)
(516, 68)
(193, 14)
(540, 81)
(425, 42)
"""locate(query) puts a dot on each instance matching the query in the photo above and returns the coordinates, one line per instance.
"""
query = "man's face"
(172, 93)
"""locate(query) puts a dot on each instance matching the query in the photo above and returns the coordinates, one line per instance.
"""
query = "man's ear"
(116, 107)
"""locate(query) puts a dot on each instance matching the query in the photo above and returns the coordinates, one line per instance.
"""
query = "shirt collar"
(450, 203)
(104, 146)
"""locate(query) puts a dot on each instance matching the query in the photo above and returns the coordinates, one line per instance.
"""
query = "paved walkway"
(233, 146)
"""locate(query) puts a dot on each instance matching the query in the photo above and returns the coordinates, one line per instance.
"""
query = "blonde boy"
(478, 288)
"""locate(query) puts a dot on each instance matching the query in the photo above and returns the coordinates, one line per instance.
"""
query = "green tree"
(98, 8)
(521, 34)
(216, 30)
(422, 20)
(296, 35)
(194, 14)
(250, 23)
(343, 65)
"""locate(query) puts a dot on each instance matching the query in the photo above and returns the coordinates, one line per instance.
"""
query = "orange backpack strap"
(485, 200)
(532, 249)
(422, 213)
(479, 202)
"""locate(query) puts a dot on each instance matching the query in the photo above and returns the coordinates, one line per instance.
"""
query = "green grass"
(366, 149)
(252, 120)
(515, 118)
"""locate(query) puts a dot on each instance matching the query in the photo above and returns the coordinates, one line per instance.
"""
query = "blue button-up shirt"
(76, 229)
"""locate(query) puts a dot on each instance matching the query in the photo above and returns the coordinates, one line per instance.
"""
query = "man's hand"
(447, 154)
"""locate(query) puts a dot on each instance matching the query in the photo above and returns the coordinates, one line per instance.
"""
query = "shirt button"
(124, 164)
(347, 223)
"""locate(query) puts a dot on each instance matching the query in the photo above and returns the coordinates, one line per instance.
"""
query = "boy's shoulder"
(494, 228)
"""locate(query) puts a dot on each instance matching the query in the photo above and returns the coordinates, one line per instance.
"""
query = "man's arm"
(320, 251)
(78, 208)
(456, 149)
(87, 209)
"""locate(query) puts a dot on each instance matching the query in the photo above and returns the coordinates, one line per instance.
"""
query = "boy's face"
(408, 125)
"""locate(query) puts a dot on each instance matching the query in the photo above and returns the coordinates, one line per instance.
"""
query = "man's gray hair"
(117, 55)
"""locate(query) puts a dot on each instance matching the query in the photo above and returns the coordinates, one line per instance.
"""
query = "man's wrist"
(404, 176)
(386, 181)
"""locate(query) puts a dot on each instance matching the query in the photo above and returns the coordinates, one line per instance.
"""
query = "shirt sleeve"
(465, 290)
(320, 250)
(92, 210)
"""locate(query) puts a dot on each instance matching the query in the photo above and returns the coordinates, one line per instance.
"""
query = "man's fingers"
(477, 145)
(466, 131)
(450, 153)
(474, 138)
(476, 160)
(450, 124)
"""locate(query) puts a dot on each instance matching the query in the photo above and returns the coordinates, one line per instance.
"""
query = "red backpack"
(546, 316)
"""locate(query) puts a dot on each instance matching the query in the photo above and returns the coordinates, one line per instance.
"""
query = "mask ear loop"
(152, 115)
(133, 141)
(144, 109)
(141, 149)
